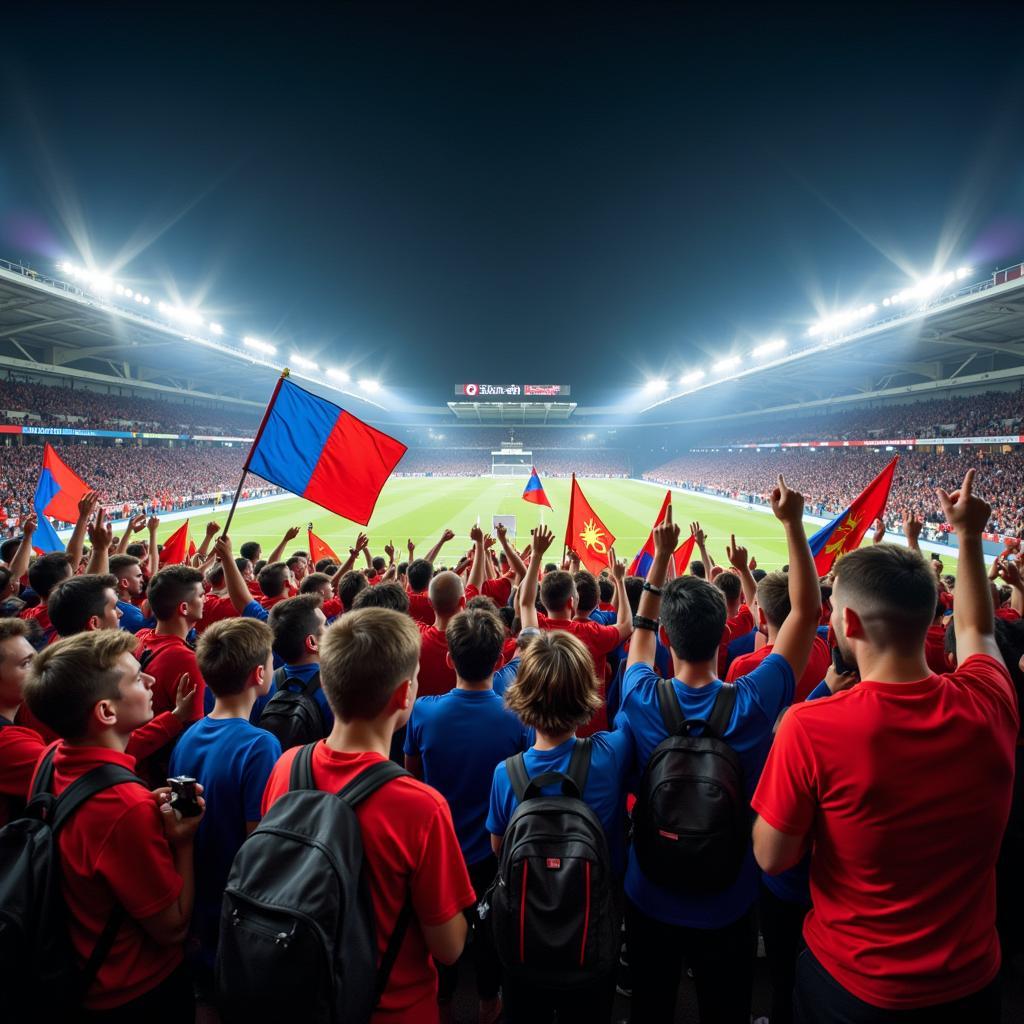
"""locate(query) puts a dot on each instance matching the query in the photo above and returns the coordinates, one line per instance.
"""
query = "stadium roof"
(496, 413)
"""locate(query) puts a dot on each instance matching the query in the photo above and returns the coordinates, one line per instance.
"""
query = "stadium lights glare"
(333, 371)
(847, 316)
(306, 364)
(656, 385)
(259, 346)
(769, 347)
(726, 364)
(369, 385)
(216, 328)
(692, 377)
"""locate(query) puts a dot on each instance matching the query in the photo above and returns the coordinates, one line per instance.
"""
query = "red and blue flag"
(323, 453)
(645, 556)
(57, 494)
(534, 490)
(847, 530)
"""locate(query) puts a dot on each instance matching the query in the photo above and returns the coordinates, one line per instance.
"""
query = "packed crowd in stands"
(95, 410)
(992, 413)
(831, 478)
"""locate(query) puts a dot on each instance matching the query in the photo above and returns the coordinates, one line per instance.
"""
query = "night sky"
(573, 197)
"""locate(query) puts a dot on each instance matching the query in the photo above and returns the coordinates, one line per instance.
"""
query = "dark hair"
(550, 567)
(121, 562)
(475, 638)
(606, 589)
(693, 613)
(729, 584)
(243, 564)
(75, 601)
(251, 550)
(137, 549)
(47, 571)
(507, 616)
(697, 569)
(403, 568)
(9, 548)
(634, 591)
(294, 561)
(313, 581)
(483, 601)
(258, 565)
(893, 591)
(587, 594)
(272, 579)
(324, 564)
(556, 590)
(379, 565)
(299, 554)
(384, 595)
(773, 598)
(292, 620)
(758, 574)
(419, 574)
(169, 587)
(229, 650)
(350, 585)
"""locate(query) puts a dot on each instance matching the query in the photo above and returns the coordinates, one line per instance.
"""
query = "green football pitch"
(420, 508)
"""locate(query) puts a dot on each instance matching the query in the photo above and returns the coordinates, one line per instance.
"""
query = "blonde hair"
(555, 689)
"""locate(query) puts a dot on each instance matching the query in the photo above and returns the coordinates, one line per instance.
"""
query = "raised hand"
(362, 542)
(966, 513)
(184, 698)
(542, 538)
(1009, 572)
(698, 534)
(788, 505)
(137, 523)
(912, 526)
(292, 532)
(476, 535)
(411, 547)
(879, 531)
(617, 567)
(101, 534)
(389, 550)
(488, 541)
(212, 529)
(666, 535)
(222, 548)
(502, 531)
(87, 503)
(448, 535)
(153, 524)
(29, 524)
(736, 554)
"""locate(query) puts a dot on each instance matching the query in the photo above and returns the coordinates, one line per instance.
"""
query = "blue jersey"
(132, 619)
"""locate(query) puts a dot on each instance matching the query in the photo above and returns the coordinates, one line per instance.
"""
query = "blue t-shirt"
(611, 757)
(232, 760)
(461, 735)
(303, 673)
(506, 676)
(760, 698)
(604, 618)
(132, 619)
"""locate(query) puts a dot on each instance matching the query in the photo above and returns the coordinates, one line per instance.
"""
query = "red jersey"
(817, 665)
(113, 852)
(332, 608)
(935, 650)
(411, 849)
(905, 790)
(1007, 614)
(436, 676)
(498, 590)
(20, 749)
(171, 657)
(269, 602)
(216, 608)
(40, 615)
(739, 625)
(420, 608)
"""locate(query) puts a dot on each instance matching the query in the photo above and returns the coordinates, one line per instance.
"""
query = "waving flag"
(57, 494)
(176, 547)
(585, 533)
(847, 530)
(320, 548)
(645, 556)
(682, 555)
(535, 490)
(322, 453)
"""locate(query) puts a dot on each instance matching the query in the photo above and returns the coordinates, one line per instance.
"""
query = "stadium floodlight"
(126, 292)
(692, 377)
(963, 272)
(337, 374)
(655, 385)
(216, 328)
(769, 348)
(726, 364)
(120, 289)
(370, 385)
(145, 300)
(829, 324)
(306, 364)
(259, 346)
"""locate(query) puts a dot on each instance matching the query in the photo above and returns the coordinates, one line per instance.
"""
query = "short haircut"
(118, 564)
(251, 550)
(364, 656)
(729, 584)
(507, 616)
(555, 689)
(272, 579)
(74, 602)
(299, 554)
(324, 564)
(229, 650)
(556, 590)
(403, 568)
(47, 571)
(70, 677)
(243, 564)
(446, 593)
(634, 591)
(893, 591)
(758, 574)
(384, 595)
(169, 587)
(550, 567)
(606, 589)
(137, 550)
(292, 620)
(475, 638)
(11, 627)
(313, 581)
(379, 565)
(5, 577)
(295, 560)
(215, 575)
(420, 571)
(587, 593)
(257, 566)
(483, 601)
(697, 569)
(773, 598)
(8, 548)
(693, 613)
(350, 585)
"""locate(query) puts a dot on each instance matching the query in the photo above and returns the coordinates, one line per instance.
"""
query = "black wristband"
(651, 589)
(642, 622)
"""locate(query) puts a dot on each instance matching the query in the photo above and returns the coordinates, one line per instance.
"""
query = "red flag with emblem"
(320, 549)
(585, 533)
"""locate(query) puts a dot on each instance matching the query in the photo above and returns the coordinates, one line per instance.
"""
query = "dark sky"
(566, 196)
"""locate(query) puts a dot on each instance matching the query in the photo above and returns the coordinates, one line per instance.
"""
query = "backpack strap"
(369, 780)
(668, 704)
(573, 779)
(394, 946)
(301, 776)
(721, 711)
(517, 775)
(579, 763)
(43, 782)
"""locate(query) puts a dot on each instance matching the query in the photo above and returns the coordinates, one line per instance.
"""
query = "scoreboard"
(514, 391)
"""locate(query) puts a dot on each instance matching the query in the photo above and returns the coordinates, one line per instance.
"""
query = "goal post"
(511, 462)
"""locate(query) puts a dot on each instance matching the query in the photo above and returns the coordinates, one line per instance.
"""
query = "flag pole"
(255, 442)
(572, 495)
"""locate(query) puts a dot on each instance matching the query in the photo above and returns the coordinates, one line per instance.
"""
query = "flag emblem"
(591, 535)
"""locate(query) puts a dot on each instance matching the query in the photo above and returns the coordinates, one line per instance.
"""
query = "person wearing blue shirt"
(231, 759)
(556, 692)
(453, 742)
(714, 931)
(127, 570)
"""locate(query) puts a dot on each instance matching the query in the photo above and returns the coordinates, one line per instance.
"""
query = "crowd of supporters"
(831, 478)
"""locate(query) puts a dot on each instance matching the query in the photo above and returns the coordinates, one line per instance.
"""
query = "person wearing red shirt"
(368, 671)
(447, 597)
(738, 588)
(124, 848)
(774, 606)
(274, 580)
(176, 597)
(901, 786)
(320, 583)
(935, 641)
(43, 575)
(418, 575)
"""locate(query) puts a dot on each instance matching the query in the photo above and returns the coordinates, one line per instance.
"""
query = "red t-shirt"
(20, 748)
(114, 852)
(435, 676)
(1008, 614)
(41, 616)
(905, 790)
(332, 608)
(498, 590)
(420, 608)
(739, 625)
(216, 608)
(254, 588)
(935, 649)
(817, 665)
(171, 657)
(410, 848)
(269, 602)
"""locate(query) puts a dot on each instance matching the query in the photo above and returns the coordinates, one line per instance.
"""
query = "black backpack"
(553, 918)
(691, 822)
(297, 932)
(294, 716)
(36, 956)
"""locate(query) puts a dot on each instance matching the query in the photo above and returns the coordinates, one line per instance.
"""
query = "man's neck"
(109, 739)
(309, 658)
(177, 626)
(771, 632)
(696, 674)
(550, 740)
(889, 667)
(441, 621)
(235, 705)
(583, 616)
(563, 615)
(487, 684)
(362, 736)
(9, 711)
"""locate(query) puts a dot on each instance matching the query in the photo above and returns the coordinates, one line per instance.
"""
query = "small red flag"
(585, 533)
(681, 556)
(320, 549)
(175, 547)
